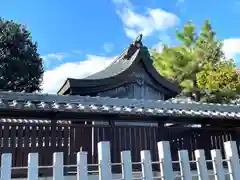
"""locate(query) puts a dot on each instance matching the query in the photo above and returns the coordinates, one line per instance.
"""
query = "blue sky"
(77, 38)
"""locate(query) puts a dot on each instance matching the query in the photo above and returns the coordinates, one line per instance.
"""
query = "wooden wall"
(22, 138)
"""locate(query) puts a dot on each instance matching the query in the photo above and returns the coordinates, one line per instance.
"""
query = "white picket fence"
(165, 163)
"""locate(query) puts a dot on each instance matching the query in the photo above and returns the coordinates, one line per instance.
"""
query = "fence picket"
(201, 164)
(104, 160)
(126, 165)
(32, 166)
(105, 172)
(231, 152)
(217, 164)
(82, 169)
(6, 165)
(58, 166)
(185, 165)
(146, 165)
(164, 154)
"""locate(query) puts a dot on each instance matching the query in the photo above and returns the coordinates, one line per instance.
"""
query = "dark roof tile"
(173, 107)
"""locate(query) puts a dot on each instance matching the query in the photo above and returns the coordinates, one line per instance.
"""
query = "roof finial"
(133, 47)
(139, 38)
(138, 41)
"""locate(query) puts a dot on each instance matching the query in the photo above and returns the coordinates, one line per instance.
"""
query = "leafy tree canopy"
(199, 66)
(220, 81)
(21, 66)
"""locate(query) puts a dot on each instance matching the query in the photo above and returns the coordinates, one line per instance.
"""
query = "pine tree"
(191, 61)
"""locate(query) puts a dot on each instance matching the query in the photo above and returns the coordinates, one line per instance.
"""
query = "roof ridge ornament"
(138, 41)
(137, 44)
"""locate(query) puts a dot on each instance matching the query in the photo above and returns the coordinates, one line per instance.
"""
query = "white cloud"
(231, 47)
(108, 47)
(153, 20)
(53, 56)
(54, 79)
(50, 58)
(158, 47)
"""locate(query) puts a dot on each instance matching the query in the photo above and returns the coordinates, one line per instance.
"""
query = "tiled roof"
(134, 60)
(119, 65)
(30, 121)
(173, 107)
(122, 62)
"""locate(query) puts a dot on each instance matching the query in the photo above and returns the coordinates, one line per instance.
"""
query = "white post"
(146, 165)
(201, 165)
(6, 166)
(164, 154)
(82, 169)
(58, 166)
(231, 152)
(217, 164)
(32, 166)
(185, 165)
(126, 165)
(104, 160)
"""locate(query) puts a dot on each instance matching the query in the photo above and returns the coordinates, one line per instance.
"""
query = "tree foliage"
(21, 66)
(221, 80)
(198, 65)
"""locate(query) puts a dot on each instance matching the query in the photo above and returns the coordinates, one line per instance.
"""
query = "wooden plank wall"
(23, 138)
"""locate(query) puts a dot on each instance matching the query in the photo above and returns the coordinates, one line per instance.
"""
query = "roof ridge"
(12, 95)
(59, 103)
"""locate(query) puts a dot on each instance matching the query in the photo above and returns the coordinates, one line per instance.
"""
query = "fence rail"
(104, 166)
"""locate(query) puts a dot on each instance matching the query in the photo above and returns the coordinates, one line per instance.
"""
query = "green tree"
(21, 66)
(188, 62)
(221, 81)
